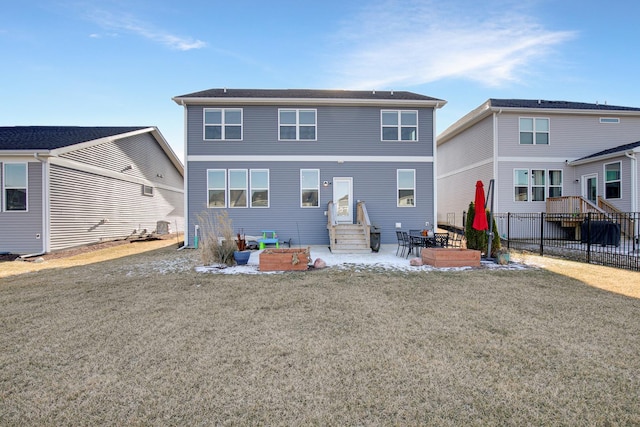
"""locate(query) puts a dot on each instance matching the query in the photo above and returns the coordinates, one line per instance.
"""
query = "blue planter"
(241, 257)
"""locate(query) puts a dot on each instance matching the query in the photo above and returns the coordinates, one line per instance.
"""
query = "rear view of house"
(67, 186)
(308, 164)
(544, 156)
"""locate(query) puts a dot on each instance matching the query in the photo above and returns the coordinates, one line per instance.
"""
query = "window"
(406, 187)
(309, 188)
(297, 125)
(147, 190)
(217, 188)
(533, 185)
(15, 186)
(612, 180)
(259, 188)
(555, 183)
(238, 188)
(609, 120)
(222, 123)
(537, 185)
(399, 125)
(534, 131)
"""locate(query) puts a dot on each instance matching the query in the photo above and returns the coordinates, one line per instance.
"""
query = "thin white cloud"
(129, 24)
(410, 43)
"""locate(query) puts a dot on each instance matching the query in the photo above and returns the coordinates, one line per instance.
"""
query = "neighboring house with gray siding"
(540, 152)
(65, 186)
(282, 159)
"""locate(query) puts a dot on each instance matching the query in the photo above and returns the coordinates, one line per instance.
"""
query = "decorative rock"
(38, 260)
(416, 262)
(319, 263)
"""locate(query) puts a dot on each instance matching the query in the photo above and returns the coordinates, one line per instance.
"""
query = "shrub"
(479, 239)
(218, 240)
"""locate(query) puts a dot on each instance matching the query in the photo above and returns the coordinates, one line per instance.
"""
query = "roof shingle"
(52, 137)
(308, 94)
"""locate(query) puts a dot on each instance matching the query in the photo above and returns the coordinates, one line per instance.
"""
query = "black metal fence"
(609, 239)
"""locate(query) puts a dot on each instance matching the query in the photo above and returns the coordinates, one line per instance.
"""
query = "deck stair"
(349, 238)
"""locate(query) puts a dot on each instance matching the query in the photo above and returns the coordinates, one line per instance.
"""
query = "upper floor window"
(297, 125)
(222, 124)
(309, 188)
(406, 180)
(612, 180)
(534, 131)
(14, 184)
(399, 125)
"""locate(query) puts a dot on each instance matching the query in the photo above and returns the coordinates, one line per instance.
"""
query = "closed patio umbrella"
(480, 217)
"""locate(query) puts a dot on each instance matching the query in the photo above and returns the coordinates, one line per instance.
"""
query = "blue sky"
(119, 62)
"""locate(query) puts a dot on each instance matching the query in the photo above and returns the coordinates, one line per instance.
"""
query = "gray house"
(67, 186)
(312, 165)
(544, 156)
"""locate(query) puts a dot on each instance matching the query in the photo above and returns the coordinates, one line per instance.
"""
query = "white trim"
(310, 158)
(610, 120)
(3, 198)
(466, 168)
(619, 180)
(533, 159)
(387, 103)
(534, 131)
(349, 217)
(583, 185)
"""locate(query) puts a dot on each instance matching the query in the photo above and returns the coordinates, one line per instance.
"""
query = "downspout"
(45, 206)
(496, 199)
(186, 180)
(435, 172)
(634, 180)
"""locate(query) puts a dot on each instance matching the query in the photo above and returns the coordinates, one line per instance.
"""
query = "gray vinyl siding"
(570, 136)
(374, 183)
(142, 152)
(19, 230)
(456, 176)
(624, 202)
(80, 201)
(347, 130)
(470, 146)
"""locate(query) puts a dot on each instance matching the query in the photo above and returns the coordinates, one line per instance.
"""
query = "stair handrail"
(362, 217)
(627, 224)
(331, 224)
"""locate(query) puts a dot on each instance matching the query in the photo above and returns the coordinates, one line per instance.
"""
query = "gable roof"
(529, 106)
(610, 152)
(324, 96)
(53, 137)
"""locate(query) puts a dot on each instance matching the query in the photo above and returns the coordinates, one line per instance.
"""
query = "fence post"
(541, 233)
(588, 237)
(508, 230)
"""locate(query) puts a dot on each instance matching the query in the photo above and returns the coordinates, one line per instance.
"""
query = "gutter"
(634, 179)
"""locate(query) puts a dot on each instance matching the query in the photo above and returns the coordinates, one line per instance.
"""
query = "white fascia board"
(533, 159)
(311, 101)
(468, 120)
(91, 143)
(334, 158)
(604, 157)
(24, 154)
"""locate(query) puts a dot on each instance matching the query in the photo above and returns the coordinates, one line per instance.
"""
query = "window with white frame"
(534, 131)
(238, 188)
(309, 188)
(217, 188)
(222, 124)
(259, 188)
(612, 180)
(399, 125)
(536, 184)
(14, 182)
(297, 125)
(555, 183)
(612, 120)
(406, 183)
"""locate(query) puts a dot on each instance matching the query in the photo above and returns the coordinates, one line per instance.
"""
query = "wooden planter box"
(451, 257)
(285, 259)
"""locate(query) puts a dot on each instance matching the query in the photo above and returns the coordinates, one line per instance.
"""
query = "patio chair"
(402, 243)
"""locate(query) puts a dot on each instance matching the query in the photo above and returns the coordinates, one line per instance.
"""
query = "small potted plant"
(242, 254)
(502, 255)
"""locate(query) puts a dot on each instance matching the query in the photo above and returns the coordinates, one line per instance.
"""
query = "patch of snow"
(384, 260)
